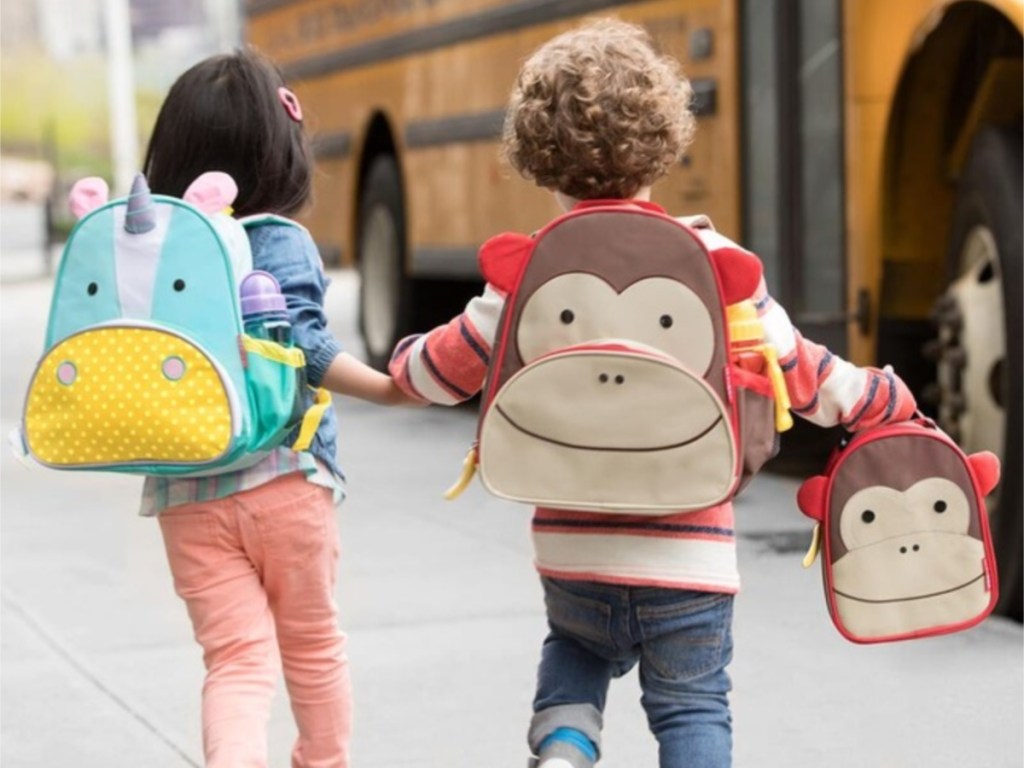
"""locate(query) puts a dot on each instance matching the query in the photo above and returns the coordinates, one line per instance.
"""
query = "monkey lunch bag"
(613, 385)
(902, 524)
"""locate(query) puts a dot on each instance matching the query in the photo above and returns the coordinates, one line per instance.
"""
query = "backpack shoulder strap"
(262, 219)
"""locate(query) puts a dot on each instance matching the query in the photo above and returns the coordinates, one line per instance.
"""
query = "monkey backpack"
(146, 366)
(907, 549)
(612, 385)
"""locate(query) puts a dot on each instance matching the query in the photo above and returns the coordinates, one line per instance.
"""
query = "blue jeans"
(683, 641)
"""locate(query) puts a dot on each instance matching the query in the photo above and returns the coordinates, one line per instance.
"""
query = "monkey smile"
(915, 597)
(575, 446)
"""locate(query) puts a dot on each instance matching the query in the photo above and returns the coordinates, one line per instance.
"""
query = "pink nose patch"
(173, 368)
(66, 374)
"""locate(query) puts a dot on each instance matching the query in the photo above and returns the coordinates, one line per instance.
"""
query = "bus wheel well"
(379, 142)
(939, 104)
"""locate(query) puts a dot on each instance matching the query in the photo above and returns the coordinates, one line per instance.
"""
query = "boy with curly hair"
(597, 113)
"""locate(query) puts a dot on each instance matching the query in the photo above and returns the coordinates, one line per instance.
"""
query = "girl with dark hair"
(254, 552)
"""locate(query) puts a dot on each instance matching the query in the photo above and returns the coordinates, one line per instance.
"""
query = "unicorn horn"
(141, 216)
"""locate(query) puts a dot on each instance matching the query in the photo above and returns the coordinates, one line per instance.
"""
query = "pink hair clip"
(291, 103)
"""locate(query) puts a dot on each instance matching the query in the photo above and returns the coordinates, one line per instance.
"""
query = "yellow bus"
(868, 150)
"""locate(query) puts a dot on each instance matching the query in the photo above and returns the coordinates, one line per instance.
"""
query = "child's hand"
(397, 396)
(348, 376)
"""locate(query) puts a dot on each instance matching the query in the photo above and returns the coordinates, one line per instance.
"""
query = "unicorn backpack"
(146, 366)
(614, 384)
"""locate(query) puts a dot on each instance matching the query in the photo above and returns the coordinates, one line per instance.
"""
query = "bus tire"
(986, 246)
(386, 300)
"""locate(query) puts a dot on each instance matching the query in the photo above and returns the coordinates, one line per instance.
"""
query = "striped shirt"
(688, 550)
(159, 493)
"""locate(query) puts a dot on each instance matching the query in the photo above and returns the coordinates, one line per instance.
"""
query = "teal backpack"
(147, 368)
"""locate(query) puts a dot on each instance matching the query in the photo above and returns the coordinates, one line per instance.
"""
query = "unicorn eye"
(179, 285)
(91, 290)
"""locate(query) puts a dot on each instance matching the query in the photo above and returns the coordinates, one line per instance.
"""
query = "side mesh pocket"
(758, 439)
(275, 378)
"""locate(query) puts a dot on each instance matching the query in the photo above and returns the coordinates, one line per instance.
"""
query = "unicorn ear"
(212, 192)
(87, 195)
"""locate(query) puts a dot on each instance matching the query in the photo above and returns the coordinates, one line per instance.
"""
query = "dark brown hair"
(224, 114)
(597, 112)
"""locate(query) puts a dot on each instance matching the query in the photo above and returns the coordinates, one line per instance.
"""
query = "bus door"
(792, 145)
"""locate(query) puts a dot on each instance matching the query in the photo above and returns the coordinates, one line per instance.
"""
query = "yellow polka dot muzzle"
(127, 396)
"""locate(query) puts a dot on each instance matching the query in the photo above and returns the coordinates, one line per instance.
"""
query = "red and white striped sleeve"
(826, 389)
(448, 365)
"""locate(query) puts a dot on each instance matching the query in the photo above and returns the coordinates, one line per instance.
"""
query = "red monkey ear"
(985, 466)
(811, 497)
(738, 269)
(501, 258)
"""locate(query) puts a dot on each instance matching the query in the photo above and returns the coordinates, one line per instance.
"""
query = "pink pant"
(257, 572)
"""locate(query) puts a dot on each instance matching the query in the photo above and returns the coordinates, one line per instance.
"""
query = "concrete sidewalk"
(445, 620)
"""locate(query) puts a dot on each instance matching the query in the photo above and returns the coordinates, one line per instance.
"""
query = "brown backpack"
(907, 549)
(612, 385)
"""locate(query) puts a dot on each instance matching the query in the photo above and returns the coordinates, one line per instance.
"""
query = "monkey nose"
(604, 378)
(915, 548)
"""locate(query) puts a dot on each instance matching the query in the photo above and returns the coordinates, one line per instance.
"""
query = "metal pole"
(124, 140)
(49, 224)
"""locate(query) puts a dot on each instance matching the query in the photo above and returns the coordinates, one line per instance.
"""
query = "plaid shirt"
(159, 493)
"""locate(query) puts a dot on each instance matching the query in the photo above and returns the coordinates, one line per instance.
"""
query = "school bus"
(868, 150)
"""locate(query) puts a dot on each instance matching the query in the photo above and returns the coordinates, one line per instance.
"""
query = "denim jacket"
(290, 255)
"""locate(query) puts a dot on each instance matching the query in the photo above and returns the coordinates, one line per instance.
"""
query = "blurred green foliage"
(57, 110)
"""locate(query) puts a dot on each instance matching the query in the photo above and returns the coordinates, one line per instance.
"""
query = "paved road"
(445, 622)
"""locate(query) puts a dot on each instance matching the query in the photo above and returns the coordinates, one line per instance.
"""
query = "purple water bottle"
(264, 310)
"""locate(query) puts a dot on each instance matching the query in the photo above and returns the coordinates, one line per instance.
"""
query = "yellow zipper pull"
(812, 551)
(783, 418)
(468, 470)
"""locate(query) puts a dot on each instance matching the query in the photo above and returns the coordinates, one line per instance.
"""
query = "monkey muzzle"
(890, 588)
(608, 426)
(915, 566)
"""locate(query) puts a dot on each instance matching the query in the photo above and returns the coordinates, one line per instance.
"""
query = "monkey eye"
(867, 516)
(92, 288)
(179, 285)
(940, 506)
(666, 321)
(567, 316)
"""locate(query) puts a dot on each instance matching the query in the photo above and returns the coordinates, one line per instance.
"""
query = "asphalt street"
(444, 615)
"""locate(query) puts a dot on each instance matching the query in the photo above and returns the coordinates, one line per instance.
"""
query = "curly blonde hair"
(597, 112)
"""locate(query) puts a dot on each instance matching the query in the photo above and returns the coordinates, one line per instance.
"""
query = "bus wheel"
(385, 292)
(980, 385)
